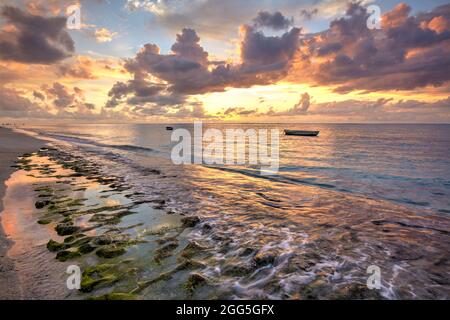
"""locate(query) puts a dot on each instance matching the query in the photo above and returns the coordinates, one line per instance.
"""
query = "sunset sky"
(234, 60)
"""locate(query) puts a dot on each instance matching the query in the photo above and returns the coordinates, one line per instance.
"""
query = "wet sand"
(12, 145)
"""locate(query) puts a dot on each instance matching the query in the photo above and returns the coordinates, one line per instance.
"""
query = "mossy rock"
(67, 255)
(165, 251)
(116, 296)
(103, 240)
(111, 238)
(75, 203)
(44, 189)
(44, 221)
(74, 237)
(105, 218)
(80, 241)
(66, 229)
(86, 248)
(100, 268)
(42, 204)
(88, 283)
(54, 246)
(110, 251)
(98, 276)
(68, 220)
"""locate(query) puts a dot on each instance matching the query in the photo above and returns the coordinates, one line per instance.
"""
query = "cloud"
(386, 110)
(408, 52)
(7, 75)
(66, 101)
(365, 110)
(188, 71)
(268, 52)
(43, 7)
(104, 35)
(308, 14)
(70, 105)
(238, 111)
(14, 104)
(218, 19)
(82, 67)
(303, 105)
(187, 47)
(275, 20)
(61, 95)
(33, 38)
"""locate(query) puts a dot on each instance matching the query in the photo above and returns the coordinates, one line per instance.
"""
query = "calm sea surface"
(355, 196)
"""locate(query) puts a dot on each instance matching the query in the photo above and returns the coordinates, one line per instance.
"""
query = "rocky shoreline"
(136, 245)
(115, 236)
(86, 211)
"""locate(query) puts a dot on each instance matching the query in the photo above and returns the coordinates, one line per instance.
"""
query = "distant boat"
(169, 128)
(304, 133)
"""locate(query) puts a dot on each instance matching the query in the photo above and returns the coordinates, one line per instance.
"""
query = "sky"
(236, 60)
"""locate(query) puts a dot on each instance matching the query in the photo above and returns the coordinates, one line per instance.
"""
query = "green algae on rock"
(56, 246)
(116, 296)
(111, 251)
(66, 229)
(69, 254)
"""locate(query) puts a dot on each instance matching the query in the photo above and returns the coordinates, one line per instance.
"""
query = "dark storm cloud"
(275, 20)
(35, 39)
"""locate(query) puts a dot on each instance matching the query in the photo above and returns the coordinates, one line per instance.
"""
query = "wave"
(75, 139)
(255, 173)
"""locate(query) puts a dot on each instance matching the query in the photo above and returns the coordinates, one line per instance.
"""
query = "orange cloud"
(104, 35)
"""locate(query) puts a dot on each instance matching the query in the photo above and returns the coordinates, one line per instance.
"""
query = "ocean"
(356, 196)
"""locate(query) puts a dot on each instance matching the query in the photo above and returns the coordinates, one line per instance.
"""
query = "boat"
(169, 128)
(304, 133)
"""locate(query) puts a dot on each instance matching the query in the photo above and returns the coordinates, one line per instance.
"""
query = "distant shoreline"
(13, 145)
